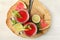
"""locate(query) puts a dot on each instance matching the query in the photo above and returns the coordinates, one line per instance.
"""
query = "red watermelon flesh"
(20, 5)
(31, 31)
(43, 23)
(24, 16)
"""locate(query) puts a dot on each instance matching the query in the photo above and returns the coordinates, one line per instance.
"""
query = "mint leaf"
(38, 27)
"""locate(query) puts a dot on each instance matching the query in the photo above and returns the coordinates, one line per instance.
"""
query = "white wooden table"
(52, 34)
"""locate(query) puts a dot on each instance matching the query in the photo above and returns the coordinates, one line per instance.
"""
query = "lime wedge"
(36, 18)
(18, 27)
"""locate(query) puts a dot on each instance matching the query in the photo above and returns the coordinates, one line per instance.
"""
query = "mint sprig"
(16, 14)
(27, 27)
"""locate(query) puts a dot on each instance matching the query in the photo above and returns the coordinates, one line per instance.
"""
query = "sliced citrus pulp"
(36, 18)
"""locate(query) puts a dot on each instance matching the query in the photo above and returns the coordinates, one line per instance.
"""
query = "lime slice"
(18, 27)
(36, 18)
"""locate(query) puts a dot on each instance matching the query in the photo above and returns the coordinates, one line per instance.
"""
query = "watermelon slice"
(24, 16)
(20, 5)
(43, 24)
(32, 29)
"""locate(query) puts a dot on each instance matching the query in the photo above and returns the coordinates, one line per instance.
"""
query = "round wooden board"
(37, 8)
